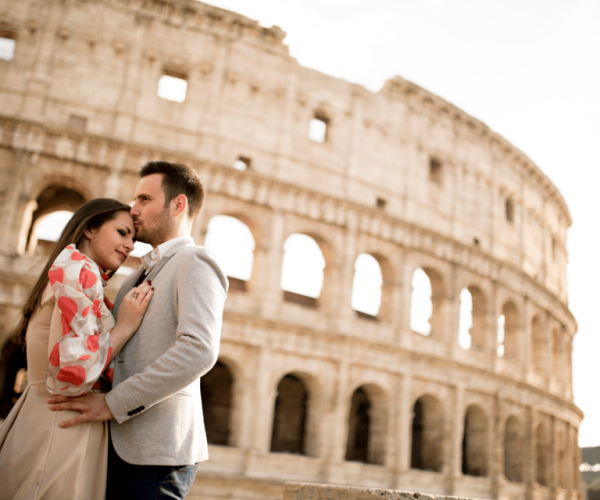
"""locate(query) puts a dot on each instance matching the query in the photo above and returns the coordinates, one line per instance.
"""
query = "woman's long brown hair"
(91, 215)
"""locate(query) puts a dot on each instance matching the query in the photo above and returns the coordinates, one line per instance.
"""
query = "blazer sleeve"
(201, 291)
(83, 351)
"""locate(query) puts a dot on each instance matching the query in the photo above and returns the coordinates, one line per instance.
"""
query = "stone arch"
(233, 241)
(298, 266)
(427, 306)
(473, 318)
(542, 455)
(290, 416)
(509, 336)
(479, 316)
(367, 426)
(538, 344)
(514, 449)
(427, 444)
(475, 442)
(216, 389)
(55, 195)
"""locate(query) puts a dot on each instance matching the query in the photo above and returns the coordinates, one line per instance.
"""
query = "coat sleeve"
(77, 360)
(201, 290)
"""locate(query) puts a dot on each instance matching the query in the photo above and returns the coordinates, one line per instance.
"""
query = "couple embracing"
(68, 437)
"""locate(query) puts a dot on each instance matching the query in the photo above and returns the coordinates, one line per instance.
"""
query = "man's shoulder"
(191, 251)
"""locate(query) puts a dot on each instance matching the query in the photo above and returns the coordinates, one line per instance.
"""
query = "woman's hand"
(133, 307)
(131, 311)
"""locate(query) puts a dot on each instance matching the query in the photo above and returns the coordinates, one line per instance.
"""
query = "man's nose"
(134, 210)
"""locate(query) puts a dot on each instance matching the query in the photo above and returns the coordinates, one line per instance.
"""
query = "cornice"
(465, 124)
(278, 195)
(194, 15)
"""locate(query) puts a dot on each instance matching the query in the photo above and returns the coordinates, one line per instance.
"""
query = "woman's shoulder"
(72, 266)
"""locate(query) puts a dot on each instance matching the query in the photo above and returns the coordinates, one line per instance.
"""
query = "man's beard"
(158, 234)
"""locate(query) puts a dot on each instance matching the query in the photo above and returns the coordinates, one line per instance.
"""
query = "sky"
(528, 69)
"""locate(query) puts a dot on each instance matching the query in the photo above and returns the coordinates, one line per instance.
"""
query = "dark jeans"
(146, 482)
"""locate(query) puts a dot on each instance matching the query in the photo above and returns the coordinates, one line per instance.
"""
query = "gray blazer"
(155, 397)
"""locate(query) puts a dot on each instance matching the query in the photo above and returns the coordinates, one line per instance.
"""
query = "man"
(157, 427)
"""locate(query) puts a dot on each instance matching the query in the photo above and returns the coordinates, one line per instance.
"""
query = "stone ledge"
(307, 491)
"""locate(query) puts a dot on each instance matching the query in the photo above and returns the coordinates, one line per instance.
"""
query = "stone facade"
(307, 389)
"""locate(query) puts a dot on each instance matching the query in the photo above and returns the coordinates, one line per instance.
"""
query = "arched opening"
(427, 444)
(290, 416)
(367, 426)
(538, 344)
(303, 270)
(558, 363)
(37, 227)
(508, 345)
(234, 244)
(513, 450)
(475, 442)
(472, 326)
(561, 457)
(366, 286)
(465, 319)
(357, 447)
(542, 455)
(421, 305)
(216, 388)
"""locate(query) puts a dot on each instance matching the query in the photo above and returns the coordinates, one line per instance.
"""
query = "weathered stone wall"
(402, 175)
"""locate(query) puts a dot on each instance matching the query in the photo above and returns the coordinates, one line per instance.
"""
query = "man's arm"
(92, 406)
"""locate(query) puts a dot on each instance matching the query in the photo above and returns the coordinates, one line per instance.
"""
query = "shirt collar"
(163, 250)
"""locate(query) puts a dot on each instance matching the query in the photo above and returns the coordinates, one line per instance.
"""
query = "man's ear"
(179, 204)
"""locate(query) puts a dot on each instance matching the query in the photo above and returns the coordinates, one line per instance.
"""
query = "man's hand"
(92, 406)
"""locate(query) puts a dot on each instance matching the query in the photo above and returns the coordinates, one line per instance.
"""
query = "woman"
(71, 337)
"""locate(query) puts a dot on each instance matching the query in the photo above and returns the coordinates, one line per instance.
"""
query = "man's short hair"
(177, 179)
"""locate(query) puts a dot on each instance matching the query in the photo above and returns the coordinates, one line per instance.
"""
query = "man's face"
(151, 218)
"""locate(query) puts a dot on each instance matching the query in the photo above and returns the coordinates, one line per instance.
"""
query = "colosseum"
(455, 230)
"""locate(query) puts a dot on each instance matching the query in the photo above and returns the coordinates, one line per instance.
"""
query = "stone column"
(260, 423)
(456, 431)
(526, 341)
(269, 275)
(405, 416)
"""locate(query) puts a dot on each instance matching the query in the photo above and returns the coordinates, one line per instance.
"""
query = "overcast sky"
(529, 69)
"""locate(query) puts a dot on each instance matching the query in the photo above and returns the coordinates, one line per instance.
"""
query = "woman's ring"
(135, 295)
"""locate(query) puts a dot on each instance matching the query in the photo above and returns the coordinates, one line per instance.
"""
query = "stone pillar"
(456, 431)
(405, 416)
(269, 278)
(38, 82)
(338, 435)
(261, 419)
(526, 341)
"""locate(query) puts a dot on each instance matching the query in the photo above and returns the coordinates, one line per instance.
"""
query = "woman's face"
(110, 244)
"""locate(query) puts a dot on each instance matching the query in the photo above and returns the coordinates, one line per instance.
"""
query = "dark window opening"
(510, 210)
(318, 128)
(381, 202)
(77, 123)
(435, 171)
(7, 45)
(242, 163)
(172, 86)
